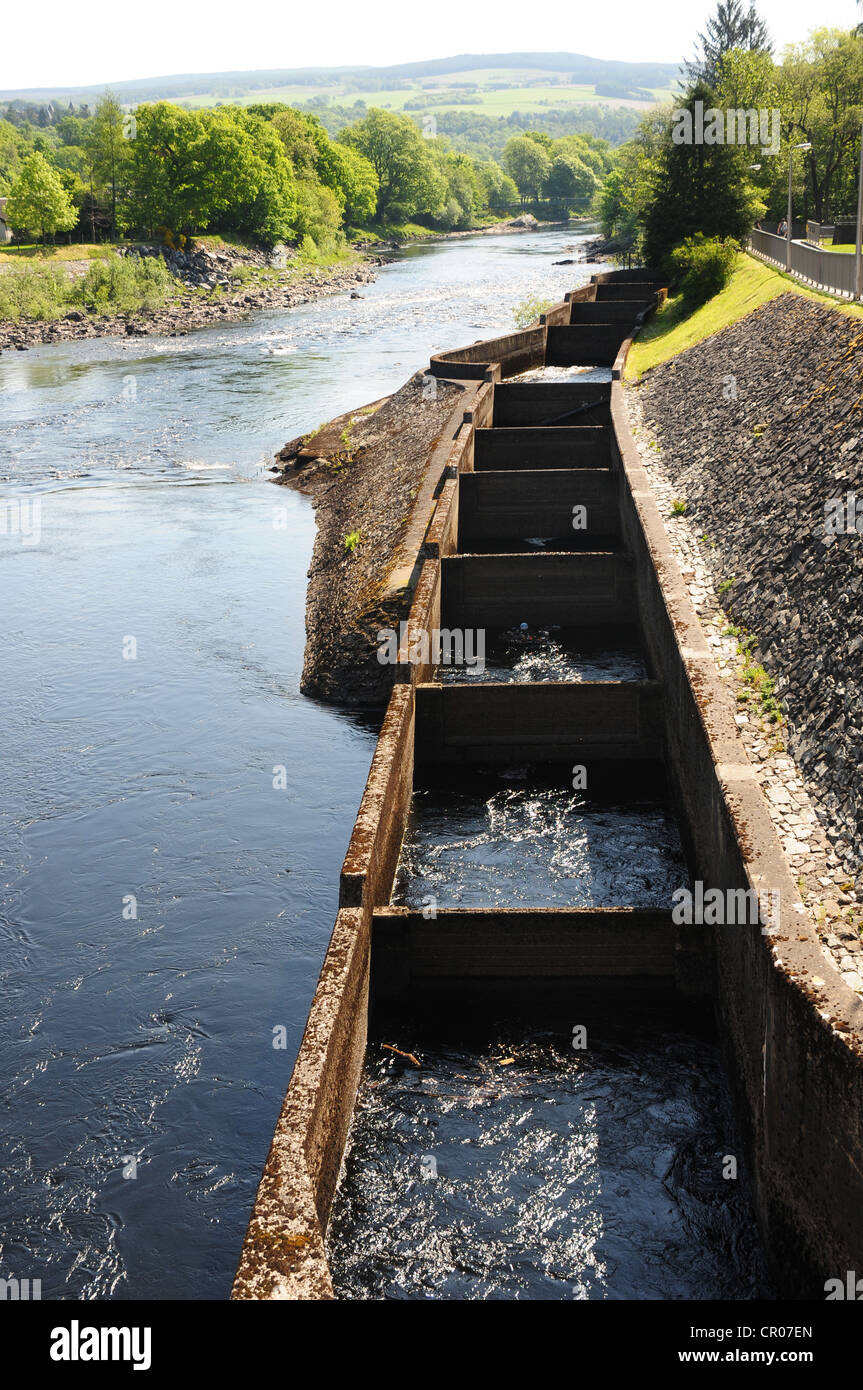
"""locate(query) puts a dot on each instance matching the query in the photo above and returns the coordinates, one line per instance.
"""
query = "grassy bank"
(675, 327)
(112, 284)
(54, 255)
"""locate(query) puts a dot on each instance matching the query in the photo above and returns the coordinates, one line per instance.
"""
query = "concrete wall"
(575, 956)
(484, 724)
(492, 591)
(495, 504)
(544, 403)
(573, 446)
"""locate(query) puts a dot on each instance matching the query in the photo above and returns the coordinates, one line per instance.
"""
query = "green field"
(498, 92)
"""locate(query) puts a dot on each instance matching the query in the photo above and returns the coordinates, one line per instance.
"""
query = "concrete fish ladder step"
(485, 724)
(791, 1029)
(531, 953)
(563, 503)
(528, 447)
(498, 591)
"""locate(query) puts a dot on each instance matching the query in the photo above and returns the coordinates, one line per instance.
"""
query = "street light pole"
(858, 251)
(805, 146)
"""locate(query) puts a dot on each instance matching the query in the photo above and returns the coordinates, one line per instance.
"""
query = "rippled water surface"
(552, 654)
(174, 812)
(525, 838)
(519, 1168)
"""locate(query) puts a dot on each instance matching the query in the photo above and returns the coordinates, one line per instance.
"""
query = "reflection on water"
(521, 1168)
(525, 838)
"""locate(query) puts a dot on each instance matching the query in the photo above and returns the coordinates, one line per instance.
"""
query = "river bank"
(199, 301)
(363, 472)
(751, 482)
(225, 283)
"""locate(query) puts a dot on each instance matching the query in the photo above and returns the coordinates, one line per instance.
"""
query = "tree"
(108, 148)
(528, 165)
(732, 26)
(337, 169)
(570, 178)
(196, 170)
(407, 177)
(821, 94)
(38, 201)
(358, 183)
(698, 188)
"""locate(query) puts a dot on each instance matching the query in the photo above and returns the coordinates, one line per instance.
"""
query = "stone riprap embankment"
(761, 435)
(363, 472)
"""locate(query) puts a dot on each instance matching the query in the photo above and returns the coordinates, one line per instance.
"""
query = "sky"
(55, 43)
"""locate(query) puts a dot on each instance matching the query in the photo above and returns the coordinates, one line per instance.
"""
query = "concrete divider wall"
(547, 953)
(541, 503)
(499, 591)
(583, 344)
(549, 722)
(517, 404)
(522, 447)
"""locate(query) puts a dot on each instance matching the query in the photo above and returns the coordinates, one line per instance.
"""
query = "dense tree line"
(270, 172)
(664, 189)
(485, 137)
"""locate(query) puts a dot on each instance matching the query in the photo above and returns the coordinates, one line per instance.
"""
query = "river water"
(164, 907)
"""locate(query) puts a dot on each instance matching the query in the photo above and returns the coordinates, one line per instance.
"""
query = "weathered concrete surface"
(283, 1253)
(543, 722)
(540, 953)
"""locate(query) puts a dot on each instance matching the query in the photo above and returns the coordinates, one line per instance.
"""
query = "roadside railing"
(833, 271)
(819, 232)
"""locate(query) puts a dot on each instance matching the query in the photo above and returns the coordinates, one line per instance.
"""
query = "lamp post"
(805, 146)
(858, 250)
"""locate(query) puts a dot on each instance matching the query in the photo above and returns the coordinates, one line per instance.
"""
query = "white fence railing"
(824, 270)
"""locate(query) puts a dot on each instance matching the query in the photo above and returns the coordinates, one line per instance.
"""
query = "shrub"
(34, 292)
(528, 310)
(703, 265)
(124, 284)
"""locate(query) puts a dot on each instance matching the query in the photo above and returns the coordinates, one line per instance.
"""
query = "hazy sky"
(54, 42)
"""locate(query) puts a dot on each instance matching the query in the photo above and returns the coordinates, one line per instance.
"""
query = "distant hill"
(487, 73)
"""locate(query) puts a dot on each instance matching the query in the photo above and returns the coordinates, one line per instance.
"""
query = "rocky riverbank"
(217, 286)
(752, 439)
(210, 286)
(363, 472)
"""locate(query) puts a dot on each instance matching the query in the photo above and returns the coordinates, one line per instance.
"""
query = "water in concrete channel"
(514, 655)
(512, 1164)
(561, 375)
(524, 837)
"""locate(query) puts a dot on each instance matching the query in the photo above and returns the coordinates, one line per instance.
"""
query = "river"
(164, 907)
